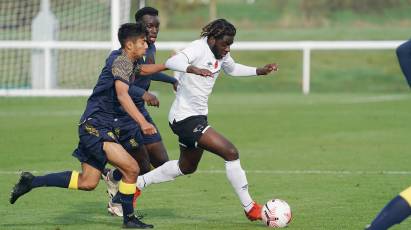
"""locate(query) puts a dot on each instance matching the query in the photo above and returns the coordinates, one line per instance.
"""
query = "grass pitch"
(337, 159)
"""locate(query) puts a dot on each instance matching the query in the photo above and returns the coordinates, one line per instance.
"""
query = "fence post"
(44, 62)
(306, 70)
(115, 23)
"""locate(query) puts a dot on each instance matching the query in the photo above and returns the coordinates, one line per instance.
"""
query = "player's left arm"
(235, 69)
(165, 78)
(147, 69)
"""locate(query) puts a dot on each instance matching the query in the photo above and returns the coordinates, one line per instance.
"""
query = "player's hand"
(267, 69)
(148, 128)
(198, 71)
(151, 99)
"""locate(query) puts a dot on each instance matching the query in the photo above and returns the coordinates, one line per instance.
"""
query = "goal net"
(27, 26)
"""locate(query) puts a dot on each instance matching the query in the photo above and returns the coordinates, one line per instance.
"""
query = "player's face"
(152, 24)
(138, 47)
(222, 46)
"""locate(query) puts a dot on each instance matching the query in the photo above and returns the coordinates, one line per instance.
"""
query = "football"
(276, 213)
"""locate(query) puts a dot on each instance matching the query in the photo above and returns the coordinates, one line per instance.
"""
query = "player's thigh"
(189, 159)
(157, 153)
(118, 157)
(216, 143)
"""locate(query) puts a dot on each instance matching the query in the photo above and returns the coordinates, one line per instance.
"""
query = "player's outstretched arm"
(147, 69)
(239, 70)
(179, 62)
(128, 105)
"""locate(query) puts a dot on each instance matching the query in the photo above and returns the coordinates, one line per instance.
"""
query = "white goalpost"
(56, 48)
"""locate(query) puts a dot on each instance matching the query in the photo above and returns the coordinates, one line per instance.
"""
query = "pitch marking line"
(273, 172)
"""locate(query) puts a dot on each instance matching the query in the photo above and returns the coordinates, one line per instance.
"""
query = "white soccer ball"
(276, 213)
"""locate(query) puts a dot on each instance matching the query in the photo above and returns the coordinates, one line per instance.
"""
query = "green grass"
(359, 134)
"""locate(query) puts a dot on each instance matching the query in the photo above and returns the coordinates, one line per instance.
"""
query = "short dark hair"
(218, 29)
(131, 30)
(145, 11)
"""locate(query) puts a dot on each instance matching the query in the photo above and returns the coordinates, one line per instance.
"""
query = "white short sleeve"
(193, 51)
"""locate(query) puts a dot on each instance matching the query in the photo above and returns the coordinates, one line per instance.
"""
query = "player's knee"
(131, 171)
(232, 154)
(188, 169)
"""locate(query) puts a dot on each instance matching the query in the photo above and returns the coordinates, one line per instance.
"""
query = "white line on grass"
(382, 98)
(274, 172)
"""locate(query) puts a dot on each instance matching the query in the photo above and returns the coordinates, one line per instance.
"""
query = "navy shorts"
(93, 133)
(130, 134)
(190, 130)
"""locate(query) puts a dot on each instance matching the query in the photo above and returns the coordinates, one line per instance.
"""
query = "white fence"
(305, 46)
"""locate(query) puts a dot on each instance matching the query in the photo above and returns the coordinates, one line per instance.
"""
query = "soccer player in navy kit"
(399, 208)
(98, 139)
(152, 151)
(201, 61)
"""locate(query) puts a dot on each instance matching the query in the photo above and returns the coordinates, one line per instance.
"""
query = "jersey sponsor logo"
(209, 64)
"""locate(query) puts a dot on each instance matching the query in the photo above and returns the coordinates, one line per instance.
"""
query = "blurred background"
(256, 20)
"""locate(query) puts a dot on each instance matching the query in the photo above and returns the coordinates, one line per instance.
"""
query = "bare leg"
(157, 153)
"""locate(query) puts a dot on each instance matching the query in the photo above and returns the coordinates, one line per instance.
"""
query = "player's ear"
(128, 45)
(211, 41)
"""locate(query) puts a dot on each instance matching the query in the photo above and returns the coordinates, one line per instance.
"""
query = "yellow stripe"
(406, 194)
(73, 180)
(126, 188)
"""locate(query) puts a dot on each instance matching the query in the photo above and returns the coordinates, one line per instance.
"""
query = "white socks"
(238, 180)
(166, 172)
(170, 170)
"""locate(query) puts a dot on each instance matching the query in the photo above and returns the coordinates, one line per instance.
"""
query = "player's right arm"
(182, 61)
(122, 69)
(128, 105)
(179, 62)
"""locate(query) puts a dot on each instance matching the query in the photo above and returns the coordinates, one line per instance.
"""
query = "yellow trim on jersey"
(126, 188)
(406, 194)
(73, 180)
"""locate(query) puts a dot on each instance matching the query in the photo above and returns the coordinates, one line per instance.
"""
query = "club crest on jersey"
(216, 64)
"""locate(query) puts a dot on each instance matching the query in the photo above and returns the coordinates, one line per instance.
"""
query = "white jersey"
(193, 90)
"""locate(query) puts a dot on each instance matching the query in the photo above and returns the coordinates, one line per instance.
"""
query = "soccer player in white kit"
(201, 62)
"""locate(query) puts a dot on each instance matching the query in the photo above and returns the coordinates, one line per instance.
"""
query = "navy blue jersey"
(103, 103)
(142, 83)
